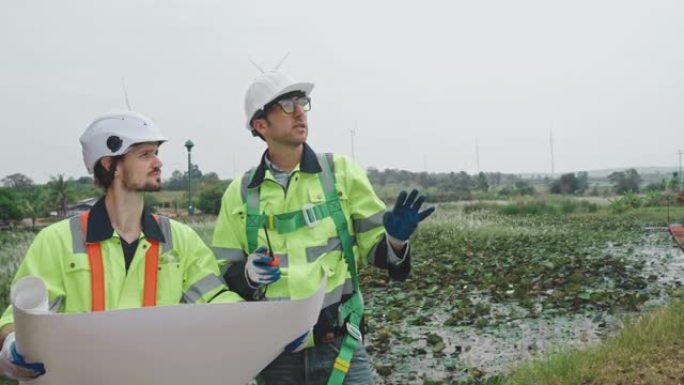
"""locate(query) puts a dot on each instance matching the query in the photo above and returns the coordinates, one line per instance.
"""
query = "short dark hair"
(104, 177)
(262, 113)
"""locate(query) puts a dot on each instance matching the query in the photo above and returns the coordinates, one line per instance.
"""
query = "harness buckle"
(354, 332)
(270, 221)
(310, 215)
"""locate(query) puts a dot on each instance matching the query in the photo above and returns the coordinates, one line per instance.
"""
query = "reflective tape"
(165, 225)
(229, 254)
(336, 294)
(370, 223)
(201, 287)
(314, 252)
(77, 241)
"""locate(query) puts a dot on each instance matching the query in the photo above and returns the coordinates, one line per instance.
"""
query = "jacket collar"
(100, 227)
(309, 164)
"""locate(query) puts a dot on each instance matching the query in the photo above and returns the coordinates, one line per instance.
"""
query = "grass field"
(497, 285)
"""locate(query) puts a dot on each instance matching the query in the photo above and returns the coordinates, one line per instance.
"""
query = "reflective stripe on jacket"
(302, 253)
(187, 273)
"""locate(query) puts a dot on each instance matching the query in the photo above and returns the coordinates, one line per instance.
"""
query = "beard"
(146, 186)
(149, 187)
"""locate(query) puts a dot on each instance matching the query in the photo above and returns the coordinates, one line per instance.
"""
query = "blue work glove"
(298, 344)
(261, 269)
(403, 220)
(14, 366)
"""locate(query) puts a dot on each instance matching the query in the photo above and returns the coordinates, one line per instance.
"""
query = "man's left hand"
(403, 220)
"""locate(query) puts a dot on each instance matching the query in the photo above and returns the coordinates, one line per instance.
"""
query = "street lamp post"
(189, 146)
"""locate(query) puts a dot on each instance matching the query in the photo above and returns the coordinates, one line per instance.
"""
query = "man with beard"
(297, 213)
(148, 260)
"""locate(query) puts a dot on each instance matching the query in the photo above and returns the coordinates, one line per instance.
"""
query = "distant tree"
(209, 199)
(177, 182)
(196, 172)
(506, 192)
(595, 190)
(17, 181)
(625, 181)
(482, 183)
(35, 204)
(675, 182)
(150, 201)
(85, 180)
(656, 186)
(422, 179)
(376, 177)
(494, 179)
(82, 188)
(10, 207)
(524, 188)
(582, 181)
(60, 193)
(566, 184)
(210, 177)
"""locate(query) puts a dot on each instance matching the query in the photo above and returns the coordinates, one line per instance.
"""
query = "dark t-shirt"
(128, 251)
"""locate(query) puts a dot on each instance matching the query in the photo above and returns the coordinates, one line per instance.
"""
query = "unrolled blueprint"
(221, 344)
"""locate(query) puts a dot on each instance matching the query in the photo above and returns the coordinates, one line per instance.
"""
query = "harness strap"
(351, 311)
(151, 269)
(97, 280)
(253, 223)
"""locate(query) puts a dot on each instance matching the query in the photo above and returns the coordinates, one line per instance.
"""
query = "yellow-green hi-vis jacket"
(303, 252)
(187, 271)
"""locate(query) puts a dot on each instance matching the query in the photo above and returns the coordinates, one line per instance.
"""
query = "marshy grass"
(648, 350)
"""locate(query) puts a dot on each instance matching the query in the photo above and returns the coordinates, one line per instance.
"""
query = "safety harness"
(97, 281)
(351, 311)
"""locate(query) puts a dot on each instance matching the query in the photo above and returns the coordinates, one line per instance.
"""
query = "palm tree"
(35, 204)
(61, 193)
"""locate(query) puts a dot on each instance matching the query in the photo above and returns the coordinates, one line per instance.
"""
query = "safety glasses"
(289, 104)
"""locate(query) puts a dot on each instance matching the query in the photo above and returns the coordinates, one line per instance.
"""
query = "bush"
(209, 199)
(626, 202)
(553, 207)
(479, 206)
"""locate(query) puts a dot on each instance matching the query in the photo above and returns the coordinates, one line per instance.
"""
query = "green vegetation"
(482, 270)
(649, 350)
(511, 254)
(13, 246)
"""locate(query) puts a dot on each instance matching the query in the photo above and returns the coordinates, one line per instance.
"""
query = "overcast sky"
(422, 82)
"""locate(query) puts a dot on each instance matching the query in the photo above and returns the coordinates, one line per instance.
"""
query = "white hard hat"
(268, 87)
(113, 134)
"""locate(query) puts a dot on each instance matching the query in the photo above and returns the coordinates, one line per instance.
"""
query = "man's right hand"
(261, 269)
(14, 366)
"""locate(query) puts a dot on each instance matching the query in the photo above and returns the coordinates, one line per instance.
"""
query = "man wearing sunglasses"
(298, 212)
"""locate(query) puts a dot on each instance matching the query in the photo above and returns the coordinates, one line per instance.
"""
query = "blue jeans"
(312, 366)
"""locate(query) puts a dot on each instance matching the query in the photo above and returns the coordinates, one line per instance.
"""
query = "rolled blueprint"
(30, 295)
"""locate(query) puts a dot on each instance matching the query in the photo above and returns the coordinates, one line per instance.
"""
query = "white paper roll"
(30, 295)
